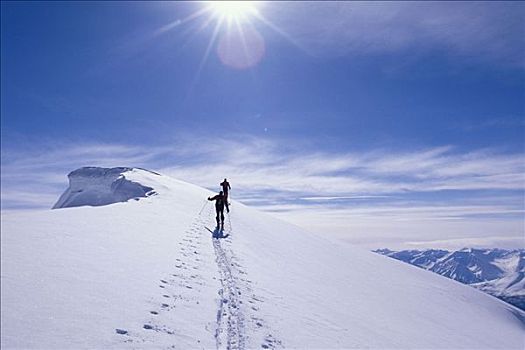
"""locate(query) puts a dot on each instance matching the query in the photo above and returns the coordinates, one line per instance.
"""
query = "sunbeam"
(238, 43)
(206, 55)
(278, 30)
(179, 22)
(210, 44)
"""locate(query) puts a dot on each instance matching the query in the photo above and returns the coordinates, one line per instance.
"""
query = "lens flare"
(241, 47)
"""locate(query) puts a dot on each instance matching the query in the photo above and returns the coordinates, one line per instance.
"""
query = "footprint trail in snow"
(184, 299)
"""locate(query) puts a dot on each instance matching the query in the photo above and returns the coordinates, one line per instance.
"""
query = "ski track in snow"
(230, 318)
(237, 305)
(233, 312)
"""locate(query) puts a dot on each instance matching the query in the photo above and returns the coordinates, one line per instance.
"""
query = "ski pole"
(230, 222)
(205, 202)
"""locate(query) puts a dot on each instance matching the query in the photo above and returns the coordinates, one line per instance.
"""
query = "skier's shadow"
(218, 233)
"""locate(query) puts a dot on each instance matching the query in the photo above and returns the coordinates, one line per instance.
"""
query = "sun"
(235, 32)
(233, 10)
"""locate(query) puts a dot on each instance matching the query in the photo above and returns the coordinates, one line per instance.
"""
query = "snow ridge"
(147, 274)
(94, 186)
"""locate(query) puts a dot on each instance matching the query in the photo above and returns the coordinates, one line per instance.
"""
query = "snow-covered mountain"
(153, 273)
(498, 272)
(100, 186)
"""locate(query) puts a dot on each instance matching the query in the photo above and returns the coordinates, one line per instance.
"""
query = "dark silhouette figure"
(219, 208)
(225, 188)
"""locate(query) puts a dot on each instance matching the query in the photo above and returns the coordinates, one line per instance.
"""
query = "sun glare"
(233, 10)
(234, 31)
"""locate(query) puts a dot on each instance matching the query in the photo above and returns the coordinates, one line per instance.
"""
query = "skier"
(219, 208)
(225, 188)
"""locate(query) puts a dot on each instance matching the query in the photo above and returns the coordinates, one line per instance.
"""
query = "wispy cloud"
(474, 242)
(498, 123)
(321, 198)
(34, 177)
(263, 166)
(399, 225)
(425, 194)
(491, 31)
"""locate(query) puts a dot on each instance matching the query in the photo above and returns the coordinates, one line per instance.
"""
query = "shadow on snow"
(218, 233)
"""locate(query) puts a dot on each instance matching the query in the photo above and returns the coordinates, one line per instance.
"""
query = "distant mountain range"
(498, 272)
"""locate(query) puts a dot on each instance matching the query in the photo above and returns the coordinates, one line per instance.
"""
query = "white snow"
(513, 281)
(510, 263)
(71, 277)
(100, 186)
(512, 285)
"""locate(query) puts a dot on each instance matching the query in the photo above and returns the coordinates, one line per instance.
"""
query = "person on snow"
(225, 188)
(219, 208)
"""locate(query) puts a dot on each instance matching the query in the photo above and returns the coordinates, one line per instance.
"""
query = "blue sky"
(385, 124)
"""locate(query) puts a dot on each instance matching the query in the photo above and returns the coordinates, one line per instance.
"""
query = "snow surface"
(100, 186)
(151, 269)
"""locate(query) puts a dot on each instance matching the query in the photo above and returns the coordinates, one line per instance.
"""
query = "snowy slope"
(151, 270)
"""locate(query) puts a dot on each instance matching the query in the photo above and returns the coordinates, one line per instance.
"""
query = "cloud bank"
(367, 198)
